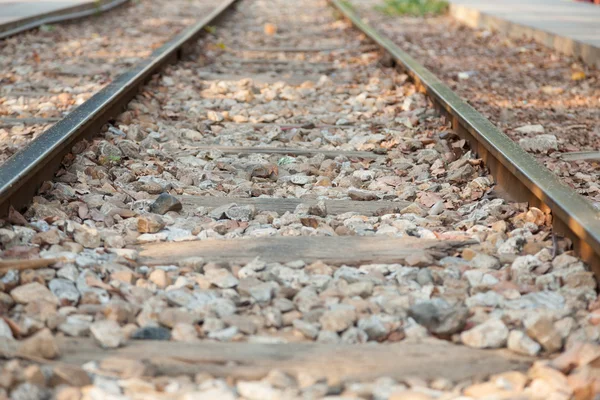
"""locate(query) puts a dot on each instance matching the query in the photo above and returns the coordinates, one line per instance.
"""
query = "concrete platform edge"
(474, 18)
(65, 14)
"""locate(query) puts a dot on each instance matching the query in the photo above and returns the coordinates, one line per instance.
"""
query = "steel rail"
(22, 174)
(52, 17)
(515, 171)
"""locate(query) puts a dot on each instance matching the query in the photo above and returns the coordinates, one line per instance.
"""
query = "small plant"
(210, 29)
(417, 8)
(48, 28)
(109, 160)
(285, 160)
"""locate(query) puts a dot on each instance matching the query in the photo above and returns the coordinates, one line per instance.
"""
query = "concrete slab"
(20, 15)
(570, 27)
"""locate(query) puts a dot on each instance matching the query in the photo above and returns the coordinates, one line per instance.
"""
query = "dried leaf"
(270, 29)
(578, 76)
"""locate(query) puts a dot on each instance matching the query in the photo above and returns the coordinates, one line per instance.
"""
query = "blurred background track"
(18, 16)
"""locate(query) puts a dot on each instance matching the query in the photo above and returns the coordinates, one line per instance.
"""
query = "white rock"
(491, 334)
(485, 261)
(540, 143)
(258, 391)
(5, 331)
(222, 278)
(520, 343)
(107, 333)
(530, 129)
(183, 332)
(338, 319)
(65, 291)
(210, 394)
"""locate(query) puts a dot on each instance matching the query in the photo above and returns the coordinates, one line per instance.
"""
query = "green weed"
(286, 160)
(417, 8)
(48, 28)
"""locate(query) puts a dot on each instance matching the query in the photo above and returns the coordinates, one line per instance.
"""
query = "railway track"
(284, 214)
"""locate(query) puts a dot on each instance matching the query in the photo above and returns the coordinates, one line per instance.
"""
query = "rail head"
(528, 180)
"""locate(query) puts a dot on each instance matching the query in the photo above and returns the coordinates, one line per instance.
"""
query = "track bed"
(283, 215)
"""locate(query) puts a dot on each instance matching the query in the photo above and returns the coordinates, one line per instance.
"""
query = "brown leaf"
(428, 199)
(16, 218)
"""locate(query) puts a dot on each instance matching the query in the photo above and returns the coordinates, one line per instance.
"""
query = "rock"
(262, 292)
(266, 171)
(461, 174)
(563, 261)
(309, 330)
(171, 316)
(219, 212)
(300, 179)
(362, 195)
(548, 300)
(541, 328)
(150, 223)
(42, 344)
(520, 343)
(42, 211)
(152, 333)
(412, 208)
(119, 311)
(258, 391)
(328, 337)
(491, 334)
(109, 150)
(5, 331)
(437, 208)
(338, 319)
(409, 395)
(319, 209)
(76, 325)
(530, 129)
(424, 277)
(439, 317)
(221, 278)
(513, 245)
(160, 278)
(130, 149)
(354, 335)
(244, 323)
(521, 270)
(49, 237)
(114, 242)
(183, 332)
(28, 391)
(33, 292)
(165, 203)
(87, 237)
(484, 261)
(224, 335)
(107, 334)
(241, 213)
(539, 143)
(362, 289)
(374, 327)
(70, 375)
(65, 291)
(34, 375)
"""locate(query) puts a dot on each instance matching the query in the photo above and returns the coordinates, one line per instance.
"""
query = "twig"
(580, 155)
(19, 265)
